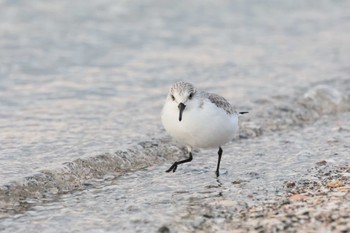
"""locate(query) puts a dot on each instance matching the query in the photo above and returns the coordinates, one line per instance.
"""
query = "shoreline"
(318, 203)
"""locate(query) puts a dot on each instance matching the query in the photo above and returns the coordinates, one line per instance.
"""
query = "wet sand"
(318, 200)
(317, 203)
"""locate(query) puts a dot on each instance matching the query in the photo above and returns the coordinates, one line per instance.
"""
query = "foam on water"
(75, 175)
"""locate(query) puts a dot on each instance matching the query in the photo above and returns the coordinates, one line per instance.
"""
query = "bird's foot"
(172, 168)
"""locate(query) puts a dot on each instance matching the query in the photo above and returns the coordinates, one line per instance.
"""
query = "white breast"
(202, 127)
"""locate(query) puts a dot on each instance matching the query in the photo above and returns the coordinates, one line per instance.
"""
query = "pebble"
(335, 184)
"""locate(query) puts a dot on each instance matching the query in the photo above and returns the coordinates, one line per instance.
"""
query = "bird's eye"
(190, 96)
(172, 97)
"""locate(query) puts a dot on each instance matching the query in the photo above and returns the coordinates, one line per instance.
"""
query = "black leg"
(219, 160)
(174, 166)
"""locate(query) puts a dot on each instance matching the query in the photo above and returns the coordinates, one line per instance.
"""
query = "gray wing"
(221, 102)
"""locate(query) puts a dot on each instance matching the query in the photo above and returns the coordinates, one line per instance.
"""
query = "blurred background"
(79, 78)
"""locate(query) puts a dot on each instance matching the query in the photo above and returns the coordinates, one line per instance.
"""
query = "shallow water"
(144, 201)
(90, 77)
(84, 78)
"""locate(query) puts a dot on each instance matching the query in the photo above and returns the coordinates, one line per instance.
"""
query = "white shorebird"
(198, 119)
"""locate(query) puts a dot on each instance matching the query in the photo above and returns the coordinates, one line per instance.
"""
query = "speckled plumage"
(221, 102)
(180, 87)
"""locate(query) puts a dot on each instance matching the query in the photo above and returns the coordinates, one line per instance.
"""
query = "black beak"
(181, 109)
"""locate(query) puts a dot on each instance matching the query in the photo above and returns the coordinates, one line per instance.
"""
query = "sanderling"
(198, 119)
